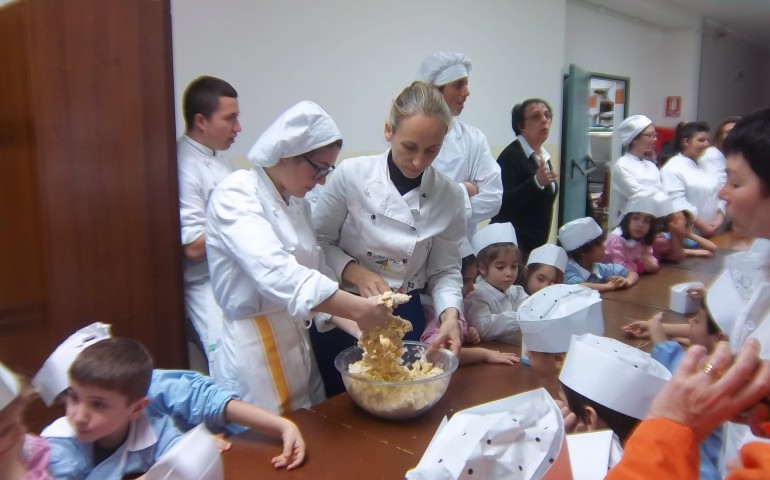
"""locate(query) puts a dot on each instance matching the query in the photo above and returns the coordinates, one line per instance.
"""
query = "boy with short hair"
(106, 433)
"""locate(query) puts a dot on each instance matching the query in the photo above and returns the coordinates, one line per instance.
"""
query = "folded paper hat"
(519, 438)
(577, 233)
(195, 456)
(680, 302)
(631, 127)
(592, 454)
(440, 68)
(53, 377)
(613, 374)
(642, 203)
(493, 233)
(549, 254)
(549, 318)
(9, 387)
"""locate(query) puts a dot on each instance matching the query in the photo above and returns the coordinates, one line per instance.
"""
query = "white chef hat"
(642, 203)
(440, 68)
(592, 454)
(613, 374)
(493, 233)
(631, 127)
(679, 301)
(549, 318)
(519, 438)
(578, 232)
(549, 254)
(9, 387)
(667, 206)
(194, 456)
(300, 129)
(53, 377)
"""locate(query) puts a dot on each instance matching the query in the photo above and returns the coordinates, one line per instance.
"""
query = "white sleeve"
(491, 326)
(329, 214)
(676, 187)
(445, 282)
(485, 174)
(626, 183)
(192, 206)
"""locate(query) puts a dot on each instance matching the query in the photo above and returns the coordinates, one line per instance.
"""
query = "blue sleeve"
(571, 276)
(669, 353)
(190, 398)
(710, 450)
(68, 461)
(607, 270)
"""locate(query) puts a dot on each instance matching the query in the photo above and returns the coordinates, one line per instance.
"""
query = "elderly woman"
(267, 269)
(632, 174)
(697, 188)
(391, 222)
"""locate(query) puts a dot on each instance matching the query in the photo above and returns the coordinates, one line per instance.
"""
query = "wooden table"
(653, 290)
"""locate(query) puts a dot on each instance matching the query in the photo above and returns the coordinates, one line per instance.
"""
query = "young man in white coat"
(211, 118)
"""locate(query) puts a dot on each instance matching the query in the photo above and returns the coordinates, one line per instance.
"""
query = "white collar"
(141, 435)
(584, 274)
(200, 147)
(497, 294)
(528, 150)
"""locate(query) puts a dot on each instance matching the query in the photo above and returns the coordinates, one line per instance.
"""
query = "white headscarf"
(440, 68)
(300, 129)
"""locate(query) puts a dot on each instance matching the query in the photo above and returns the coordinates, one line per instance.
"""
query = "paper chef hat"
(516, 438)
(53, 378)
(592, 454)
(549, 254)
(494, 233)
(440, 68)
(9, 387)
(642, 203)
(577, 233)
(632, 127)
(613, 374)
(549, 318)
(194, 457)
(679, 301)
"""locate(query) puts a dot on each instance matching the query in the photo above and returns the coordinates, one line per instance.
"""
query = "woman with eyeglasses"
(632, 173)
(529, 183)
(268, 271)
(698, 188)
(392, 222)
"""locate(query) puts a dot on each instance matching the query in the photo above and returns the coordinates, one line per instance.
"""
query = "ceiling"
(749, 19)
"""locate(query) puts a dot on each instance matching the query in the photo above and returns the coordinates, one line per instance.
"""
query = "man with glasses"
(529, 183)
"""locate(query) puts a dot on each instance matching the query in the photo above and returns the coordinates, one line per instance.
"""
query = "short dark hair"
(751, 138)
(619, 423)
(202, 96)
(117, 364)
(686, 130)
(649, 238)
(534, 267)
(581, 250)
(518, 111)
(488, 254)
(467, 261)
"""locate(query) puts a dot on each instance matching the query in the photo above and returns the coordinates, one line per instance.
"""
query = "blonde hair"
(419, 97)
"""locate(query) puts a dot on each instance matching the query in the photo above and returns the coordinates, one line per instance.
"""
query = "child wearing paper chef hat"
(632, 246)
(583, 239)
(608, 384)
(676, 239)
(21, 455)
(545, 267)
(548, 321)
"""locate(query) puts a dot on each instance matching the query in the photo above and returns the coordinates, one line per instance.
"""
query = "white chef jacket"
(630, 175)
(199, 169)
(465, 157)
(682, 178)
(714, 162)
(265, 271)
(494, 313)
(411, 241)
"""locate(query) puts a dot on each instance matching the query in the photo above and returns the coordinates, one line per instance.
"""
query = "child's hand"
(293, 448)
(616, 281)
(222, 444)
(571, 422)
(637, 329)
(655, 327)
(650, 264)
(493, 356)
(700, 253)
(472, 336)
(697, 294)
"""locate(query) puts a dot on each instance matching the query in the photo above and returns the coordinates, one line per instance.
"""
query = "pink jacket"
(626, 252)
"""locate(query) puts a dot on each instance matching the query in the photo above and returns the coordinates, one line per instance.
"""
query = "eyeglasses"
(539, 116)
(320, 172)
(651, 136)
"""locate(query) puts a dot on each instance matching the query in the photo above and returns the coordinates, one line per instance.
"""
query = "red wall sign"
(673, 106)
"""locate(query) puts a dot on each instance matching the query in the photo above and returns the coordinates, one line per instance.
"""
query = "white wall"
(352, 57)
(735, 78)
(659, 62)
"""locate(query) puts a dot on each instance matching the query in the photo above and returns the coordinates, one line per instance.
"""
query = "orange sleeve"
(755, 457)
(659, 448)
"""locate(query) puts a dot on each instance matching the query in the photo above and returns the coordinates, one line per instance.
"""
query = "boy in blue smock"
(583, 239)
(107, 434)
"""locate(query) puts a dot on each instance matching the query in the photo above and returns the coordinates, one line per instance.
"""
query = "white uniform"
(465, 157)
(199, 169)
(411, 241)
(714, 162)
(630, 175)
(265, 262)
(494, 313)
(682, 178)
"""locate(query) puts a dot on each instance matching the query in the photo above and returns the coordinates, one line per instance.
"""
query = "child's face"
(699, 330)
(99, 415)
(639, 225)
(546, 364)
(502, 271)
(11, 429)
(470, 272)
(543, 276)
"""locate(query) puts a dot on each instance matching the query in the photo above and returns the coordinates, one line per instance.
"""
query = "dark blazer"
(528, 207)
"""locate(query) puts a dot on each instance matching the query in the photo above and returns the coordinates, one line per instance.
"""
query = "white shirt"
(714, 162)
(465, 157)
(542, 154)
(494, 313)
(682, 178)
(630, 175)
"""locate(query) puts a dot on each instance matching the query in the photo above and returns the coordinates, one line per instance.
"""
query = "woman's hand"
(369, 284)
(293, 448)
(449, 332)
(373, 315)
(471, 188)
(707, 391)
